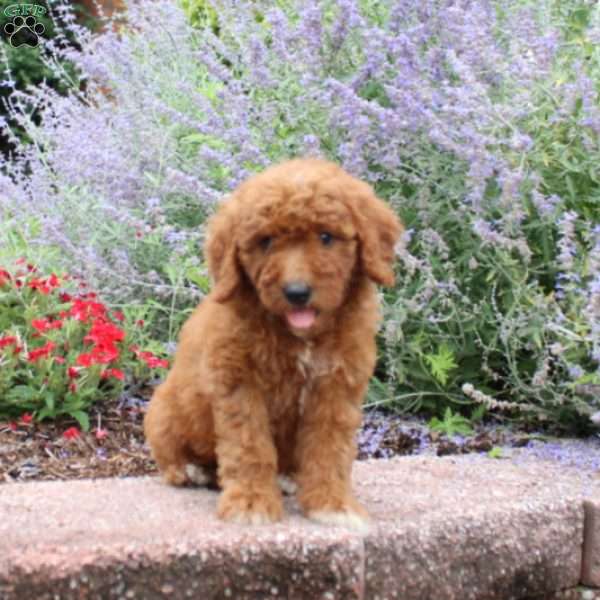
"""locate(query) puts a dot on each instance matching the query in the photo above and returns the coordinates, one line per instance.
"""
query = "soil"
(115, 446)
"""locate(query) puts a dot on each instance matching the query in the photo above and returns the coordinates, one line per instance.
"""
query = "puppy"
(271, 368)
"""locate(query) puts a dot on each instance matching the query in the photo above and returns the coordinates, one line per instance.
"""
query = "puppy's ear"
(378, 230)
(221, 252)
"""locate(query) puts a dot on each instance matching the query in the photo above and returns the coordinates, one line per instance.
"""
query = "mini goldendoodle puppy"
(272, 367)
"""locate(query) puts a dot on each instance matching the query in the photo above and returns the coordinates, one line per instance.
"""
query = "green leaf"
(495, 452)
(82, 418)
(197, 277)
(441, 364)
(452, 424)
(44, 413)
(21, 392)
(50, 401)
(478, 413)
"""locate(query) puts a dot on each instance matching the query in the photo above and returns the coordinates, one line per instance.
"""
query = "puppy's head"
(297, 234)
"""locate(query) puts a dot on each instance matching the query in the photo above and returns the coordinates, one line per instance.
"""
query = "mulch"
(115, 446)
(59, 450)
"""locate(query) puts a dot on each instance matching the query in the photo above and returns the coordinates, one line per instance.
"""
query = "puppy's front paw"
(250, 508)
(349, 514)
(342, 518)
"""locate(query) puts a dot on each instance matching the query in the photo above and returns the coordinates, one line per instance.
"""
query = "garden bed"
(115, 445)
(60, 450)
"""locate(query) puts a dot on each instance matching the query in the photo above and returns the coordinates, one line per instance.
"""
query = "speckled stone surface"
(590, 571)
(457, 527)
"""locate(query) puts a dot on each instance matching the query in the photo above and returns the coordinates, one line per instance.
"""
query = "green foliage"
(495, 452)
(565, 151)
(451, 424)
(29, 66)
(490, 321)
(441, 363)
(61, 350)
(492, 165)
(200, 13)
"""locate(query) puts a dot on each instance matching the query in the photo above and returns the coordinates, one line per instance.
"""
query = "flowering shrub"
(23, 62)
(59, 352)
(478, 120)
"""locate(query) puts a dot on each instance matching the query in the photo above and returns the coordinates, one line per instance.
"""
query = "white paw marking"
(287, 485)
(348, 519)
(197, 474)
(250, 518)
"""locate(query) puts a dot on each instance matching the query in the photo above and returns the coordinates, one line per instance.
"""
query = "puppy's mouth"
(301, 318)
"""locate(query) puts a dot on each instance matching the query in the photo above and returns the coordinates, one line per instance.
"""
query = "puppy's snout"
(297, 293)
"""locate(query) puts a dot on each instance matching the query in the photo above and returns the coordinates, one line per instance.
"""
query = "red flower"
(40, 285)
(82, 310)
(27, 418)
(7, 341)
(140, 322)
(40, 324)
(60, 360)
(118, 315)
(71, 433)
(105, 353)
(46, 324)
(53, 281)
(104, 333)
(4, 277)
(85, 360)
(99, 355)
(72, 372)
(42, 352)
(151, 360)
(12, 426)
(116, 373)
(101, 433)
(155, 362)
(64, 297)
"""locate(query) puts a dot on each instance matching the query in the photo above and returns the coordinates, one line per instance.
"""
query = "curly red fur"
(253, 391)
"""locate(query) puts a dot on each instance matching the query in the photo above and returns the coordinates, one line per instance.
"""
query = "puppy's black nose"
(297, 293)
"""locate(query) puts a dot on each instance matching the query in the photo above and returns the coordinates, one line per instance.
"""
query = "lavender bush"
(478, 120)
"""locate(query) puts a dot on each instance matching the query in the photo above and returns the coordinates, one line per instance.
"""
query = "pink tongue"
(301, 319)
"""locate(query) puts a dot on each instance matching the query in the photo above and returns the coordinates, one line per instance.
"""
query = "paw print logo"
(24, 31)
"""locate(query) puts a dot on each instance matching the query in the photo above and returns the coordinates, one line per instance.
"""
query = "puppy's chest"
(300, 374)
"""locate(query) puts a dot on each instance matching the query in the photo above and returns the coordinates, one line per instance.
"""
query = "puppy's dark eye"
(326, 238)
(265, 242)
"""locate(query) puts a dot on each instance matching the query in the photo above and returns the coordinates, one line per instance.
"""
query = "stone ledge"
(590, 570)
(456, 528)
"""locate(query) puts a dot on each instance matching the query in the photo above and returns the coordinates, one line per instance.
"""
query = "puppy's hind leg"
(167, 448)
(189, 472)
(183, 445)
(172, 461)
